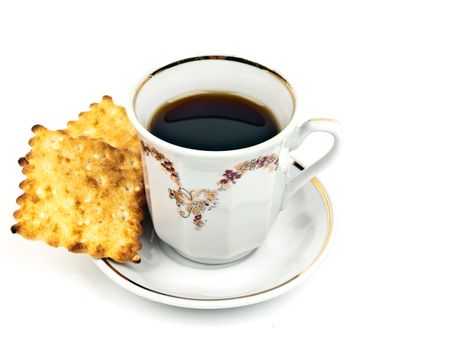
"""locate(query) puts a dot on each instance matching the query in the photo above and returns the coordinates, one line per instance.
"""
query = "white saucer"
(293, 247)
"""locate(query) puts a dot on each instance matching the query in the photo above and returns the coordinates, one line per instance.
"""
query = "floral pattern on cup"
(196, 202)
(230, 177)
(166, 164)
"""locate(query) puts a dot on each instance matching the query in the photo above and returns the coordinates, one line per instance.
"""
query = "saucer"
(293, 247)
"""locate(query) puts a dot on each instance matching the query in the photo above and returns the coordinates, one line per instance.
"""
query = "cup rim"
(203, 153)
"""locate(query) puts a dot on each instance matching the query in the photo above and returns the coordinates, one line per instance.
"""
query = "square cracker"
(81, 194)
(106, 122)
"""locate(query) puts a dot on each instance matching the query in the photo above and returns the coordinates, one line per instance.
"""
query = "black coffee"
(213, 122)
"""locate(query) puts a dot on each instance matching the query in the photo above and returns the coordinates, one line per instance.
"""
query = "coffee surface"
(213, 122)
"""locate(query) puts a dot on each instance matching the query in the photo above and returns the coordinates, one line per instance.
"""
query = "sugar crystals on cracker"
(81, 194)
(106, 122)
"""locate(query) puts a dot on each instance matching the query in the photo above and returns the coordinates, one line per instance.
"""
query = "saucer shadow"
(108, 290)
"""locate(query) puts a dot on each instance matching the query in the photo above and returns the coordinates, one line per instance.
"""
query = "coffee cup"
(218, 206)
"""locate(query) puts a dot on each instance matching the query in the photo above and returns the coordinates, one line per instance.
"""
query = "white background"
(396, 74)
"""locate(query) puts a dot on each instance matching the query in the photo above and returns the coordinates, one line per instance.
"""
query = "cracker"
(106, 122)
(81, 194)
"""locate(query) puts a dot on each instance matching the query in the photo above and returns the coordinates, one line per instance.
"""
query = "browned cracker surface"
(81, 194)
(106, 122)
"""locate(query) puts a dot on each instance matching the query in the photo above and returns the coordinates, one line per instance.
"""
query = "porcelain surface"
(215, 207)
(291, 250)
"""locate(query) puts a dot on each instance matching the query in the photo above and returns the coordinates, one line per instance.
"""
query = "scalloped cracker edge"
(106, 122)
(81, 194)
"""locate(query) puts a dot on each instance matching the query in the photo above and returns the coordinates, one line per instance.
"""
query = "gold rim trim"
(325, 199)
(219, 57)
(324, 119)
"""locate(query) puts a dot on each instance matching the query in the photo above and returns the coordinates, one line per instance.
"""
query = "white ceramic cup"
(218, 206)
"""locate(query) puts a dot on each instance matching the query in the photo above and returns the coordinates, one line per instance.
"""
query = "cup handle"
(298, 136)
